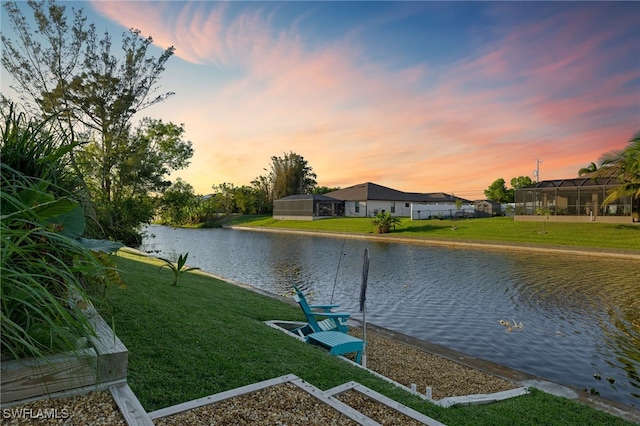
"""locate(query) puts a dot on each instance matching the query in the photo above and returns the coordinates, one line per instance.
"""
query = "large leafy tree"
(63, 68)
(249, 200)
(520, 182)
(176, 203)
(290, 175)
(137, 164)
(498, 192)
(224, 197)
(263, 186)
(122, 181)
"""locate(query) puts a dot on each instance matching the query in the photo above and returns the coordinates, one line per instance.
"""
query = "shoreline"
(511, 247)
(519, 377)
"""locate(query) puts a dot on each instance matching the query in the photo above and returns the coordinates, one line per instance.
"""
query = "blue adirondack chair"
(333, 321)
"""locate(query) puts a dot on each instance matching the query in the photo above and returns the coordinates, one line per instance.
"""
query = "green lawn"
(205, 336)
(498, 229)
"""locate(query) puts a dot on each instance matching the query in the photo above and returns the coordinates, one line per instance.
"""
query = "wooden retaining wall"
(105, 361)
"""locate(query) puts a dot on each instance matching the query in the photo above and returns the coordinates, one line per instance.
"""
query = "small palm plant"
(384, 222)
(178, 268)
(546, 213)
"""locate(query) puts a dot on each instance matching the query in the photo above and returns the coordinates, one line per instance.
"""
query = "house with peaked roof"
(368, 199)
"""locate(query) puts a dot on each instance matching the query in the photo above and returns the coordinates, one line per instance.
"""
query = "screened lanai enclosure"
(307, 207)
(575, 200)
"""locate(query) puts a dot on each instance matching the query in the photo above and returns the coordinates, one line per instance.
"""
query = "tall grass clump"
(46, 268)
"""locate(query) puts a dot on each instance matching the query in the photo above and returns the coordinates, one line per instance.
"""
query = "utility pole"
(536, 172)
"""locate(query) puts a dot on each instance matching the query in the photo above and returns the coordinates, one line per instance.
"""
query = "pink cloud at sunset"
(423, 97)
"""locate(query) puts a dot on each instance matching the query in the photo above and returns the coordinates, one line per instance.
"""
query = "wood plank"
(23, 379)
(378, 397)
(340, 406)
(113, 355)
(106, 361)
(164, 412)
(129, 405)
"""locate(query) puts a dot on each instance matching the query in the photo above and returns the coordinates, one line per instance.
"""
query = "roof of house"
(586, 180)
(372, 191)
(314, 197)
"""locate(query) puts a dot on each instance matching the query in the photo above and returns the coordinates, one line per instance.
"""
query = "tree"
(625, 165)
(45, 70)
(324, 189)
(289, 175)
(225, 197)
(62, 68)
(248, 200)
(121, 183)
(592, 167)
(520, 182)
(498, 192)
(263, 188)
(176, 203)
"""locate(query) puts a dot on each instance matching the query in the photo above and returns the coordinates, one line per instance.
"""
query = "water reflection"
(580, 317)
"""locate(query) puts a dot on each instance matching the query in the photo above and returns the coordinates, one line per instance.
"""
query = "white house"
(368, 199)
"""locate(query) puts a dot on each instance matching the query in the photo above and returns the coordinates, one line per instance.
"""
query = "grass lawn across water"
(496, 230)
(205, 336)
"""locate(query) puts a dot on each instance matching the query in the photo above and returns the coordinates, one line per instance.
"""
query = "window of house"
(357, 206)
(406, 205)
(393, 207)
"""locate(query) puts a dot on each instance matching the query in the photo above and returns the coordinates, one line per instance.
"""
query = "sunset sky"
(417, 96)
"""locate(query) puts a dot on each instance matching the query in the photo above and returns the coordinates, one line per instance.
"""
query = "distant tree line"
(288, 175)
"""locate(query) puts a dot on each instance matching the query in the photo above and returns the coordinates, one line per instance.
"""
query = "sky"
(417, 96)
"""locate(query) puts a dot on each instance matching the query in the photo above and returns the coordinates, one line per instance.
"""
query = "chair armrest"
(325, 307)
(333, 314)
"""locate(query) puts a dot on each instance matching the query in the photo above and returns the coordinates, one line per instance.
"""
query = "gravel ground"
(283, 404)
(286, 404)
(95, 409)
(408, 365)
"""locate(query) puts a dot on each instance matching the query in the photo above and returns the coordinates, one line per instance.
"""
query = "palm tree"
(384, 222)
(589, 169)
(625, 165)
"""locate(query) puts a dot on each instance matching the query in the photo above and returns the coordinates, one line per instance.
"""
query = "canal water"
(574, 320)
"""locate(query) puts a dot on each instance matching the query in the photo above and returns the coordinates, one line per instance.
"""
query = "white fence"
(421, 211)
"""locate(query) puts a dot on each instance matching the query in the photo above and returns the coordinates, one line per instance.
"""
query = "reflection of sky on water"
(580, 315)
